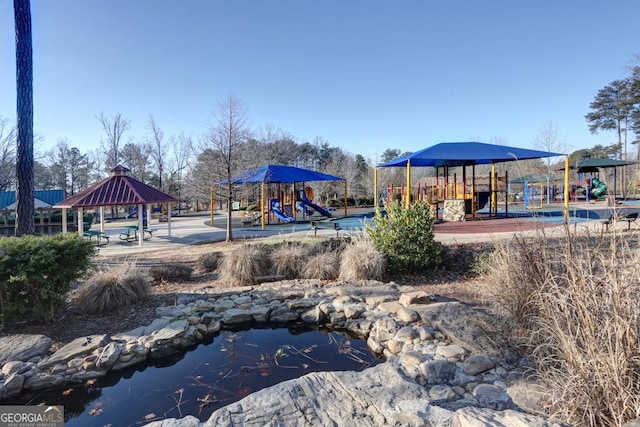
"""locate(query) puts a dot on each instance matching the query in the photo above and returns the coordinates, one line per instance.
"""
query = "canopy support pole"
(262, 205)
(346, 201)
(407, 200)
(375, 191)
(565, 209)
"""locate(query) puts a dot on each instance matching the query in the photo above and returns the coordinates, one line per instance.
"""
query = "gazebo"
(117, 190)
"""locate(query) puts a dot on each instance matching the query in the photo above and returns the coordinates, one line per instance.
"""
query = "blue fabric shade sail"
(280, 174)
(464, 154)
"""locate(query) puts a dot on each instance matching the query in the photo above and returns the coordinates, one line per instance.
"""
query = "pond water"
(208, 377)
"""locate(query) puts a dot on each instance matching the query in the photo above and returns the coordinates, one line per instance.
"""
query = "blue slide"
(275, 208)
(302, 198)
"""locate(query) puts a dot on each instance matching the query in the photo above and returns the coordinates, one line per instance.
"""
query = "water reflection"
(206, 377)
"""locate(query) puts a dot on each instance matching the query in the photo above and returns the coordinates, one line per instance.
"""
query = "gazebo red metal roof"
(119, 189)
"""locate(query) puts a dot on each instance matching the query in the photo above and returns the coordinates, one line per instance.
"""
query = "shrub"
(209, 262)
(36, 272)
(246, 265)
(114, 287)
(322, 266)
(171, 272)
(361, 260)
(405, 237)
(574, 304)
(288, 261)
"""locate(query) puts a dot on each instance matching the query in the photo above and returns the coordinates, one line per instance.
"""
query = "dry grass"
(246, 265)
(114, 287)
(574, 303)
(288, 260)
(171, 272)
(361, 260)
(209, 261)
(322, 266)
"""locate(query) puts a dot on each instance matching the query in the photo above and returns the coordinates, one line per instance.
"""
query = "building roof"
(116, 190)
(42, 198)
(592, 164)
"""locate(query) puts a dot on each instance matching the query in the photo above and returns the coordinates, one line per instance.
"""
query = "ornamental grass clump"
(322, 266)
(405, 237)
(246, 265)
(209, 262)
(288, 261)
(114, 287)
(574, 305)
(361, 260)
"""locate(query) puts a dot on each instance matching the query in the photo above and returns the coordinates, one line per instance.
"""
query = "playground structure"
(476, 192)
(283, 193)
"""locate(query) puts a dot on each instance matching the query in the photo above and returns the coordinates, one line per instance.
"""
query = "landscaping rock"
(23, 347)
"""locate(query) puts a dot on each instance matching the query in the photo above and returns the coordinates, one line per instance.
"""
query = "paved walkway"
(194, 229)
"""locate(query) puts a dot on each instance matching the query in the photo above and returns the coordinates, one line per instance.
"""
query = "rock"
(374, 345)
(372, 397)
(464, 326)
(282, 314)
(261, 313)
(12, 386)
(156, 325)
(337, 318)
(438, 371)
(109, 355)
(384, 329)
(407, 315)
(12, 367)
(41, 380)
(79, 346)
(237, 316)
(489, 394)
(23, 347)
(481, 417)
(171, 311)
(353, 311)
(416, 297)
(188, 421)
(312, 315)
(406, 333)
(477, 364)
(390, 306)
(170, 331)
(450, 351)
(442, 393)
(395, 346)
(224, 305)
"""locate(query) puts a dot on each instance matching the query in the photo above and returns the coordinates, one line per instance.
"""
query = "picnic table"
(131, 233)
(98, 235)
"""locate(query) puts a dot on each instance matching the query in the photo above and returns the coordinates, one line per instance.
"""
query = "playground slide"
(599, 188)
(302, 198)
(275, 208)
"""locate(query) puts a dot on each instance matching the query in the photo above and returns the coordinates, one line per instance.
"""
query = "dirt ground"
(70, 323)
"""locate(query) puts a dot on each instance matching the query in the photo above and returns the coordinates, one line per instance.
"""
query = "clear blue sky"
(364, 75)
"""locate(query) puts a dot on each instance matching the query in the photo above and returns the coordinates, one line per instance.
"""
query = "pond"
(208, 377)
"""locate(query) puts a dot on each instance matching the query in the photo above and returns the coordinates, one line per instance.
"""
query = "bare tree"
(25, 222)
(182, 148)
(549, 139)
(227, 133)
(157, 149)
(7, 154)
(114, 128)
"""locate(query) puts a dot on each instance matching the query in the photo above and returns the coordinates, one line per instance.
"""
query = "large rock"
(79, 346)
(482, 417)
(23, 347)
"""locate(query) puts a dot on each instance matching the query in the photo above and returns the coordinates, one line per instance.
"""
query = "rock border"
(442, 351)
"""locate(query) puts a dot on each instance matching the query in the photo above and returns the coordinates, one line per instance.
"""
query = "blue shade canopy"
(466, 153)
(280, 174)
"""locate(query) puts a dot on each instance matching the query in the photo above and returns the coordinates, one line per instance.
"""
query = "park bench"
(315, 225)
(628, 217)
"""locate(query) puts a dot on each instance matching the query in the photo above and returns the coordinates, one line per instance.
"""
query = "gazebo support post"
(64, 221)
(101, 210)
(169, 219)
(262, 212)
(80, 222)
(140, 225)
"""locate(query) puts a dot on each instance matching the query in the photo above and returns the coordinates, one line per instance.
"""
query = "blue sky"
(363, 75)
